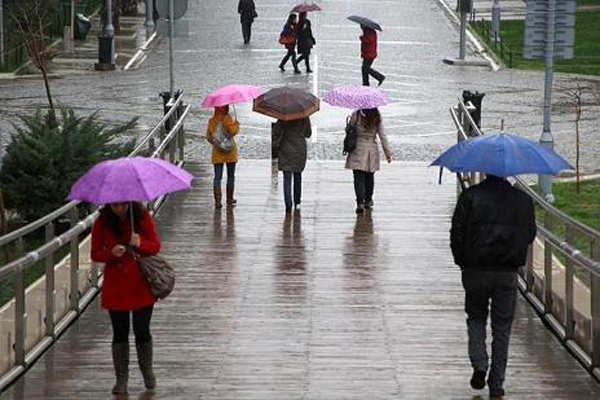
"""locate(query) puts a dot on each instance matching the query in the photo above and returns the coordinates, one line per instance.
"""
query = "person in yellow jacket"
(219, 157)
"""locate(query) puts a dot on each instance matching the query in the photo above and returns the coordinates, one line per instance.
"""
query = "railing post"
(595, 309)
(529, 277)
(74, 296)
(548, 266)
(50, 284)
(569, 320)
(20, 316)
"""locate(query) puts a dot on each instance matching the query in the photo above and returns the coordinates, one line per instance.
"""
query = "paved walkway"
(319, 305)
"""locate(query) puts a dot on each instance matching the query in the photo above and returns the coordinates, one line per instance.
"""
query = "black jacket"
(247, 10)
(492, 226)
(305, 37)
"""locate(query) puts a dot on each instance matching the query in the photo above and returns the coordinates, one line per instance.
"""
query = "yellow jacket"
(232, 127)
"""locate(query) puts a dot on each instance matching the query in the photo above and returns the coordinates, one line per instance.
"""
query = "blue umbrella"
(502, 155)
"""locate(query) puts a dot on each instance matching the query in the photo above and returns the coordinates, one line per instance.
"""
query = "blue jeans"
(219, 174)
(287, 188)
(501, 289)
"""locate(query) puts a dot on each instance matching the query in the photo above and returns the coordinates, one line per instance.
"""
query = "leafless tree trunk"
(575, 100)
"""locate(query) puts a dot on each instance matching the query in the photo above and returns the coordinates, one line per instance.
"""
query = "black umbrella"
(365, 22)
(286, 103)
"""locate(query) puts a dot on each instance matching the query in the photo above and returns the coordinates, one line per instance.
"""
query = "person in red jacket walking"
(125, 291)
(368, 52)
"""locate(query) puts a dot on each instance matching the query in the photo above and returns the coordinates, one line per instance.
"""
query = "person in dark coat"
(368, 52)
(126, 293)
(291, 148)
(289, 35)
(305, 40)
(247, 11)
(492, 227)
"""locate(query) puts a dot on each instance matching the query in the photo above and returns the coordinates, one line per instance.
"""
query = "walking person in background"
(368, 51)
(305, 40)
(247, 11)
(126, 293)
(220, 157)
(364, 160)
(492, 227)
(288, 39)
(290, 137)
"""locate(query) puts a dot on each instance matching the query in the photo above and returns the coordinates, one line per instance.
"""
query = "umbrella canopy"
(502, 155)
(365, 22)
(231, 94)
(129, 179)
(286, 103)
(305, 7)
(355, 97)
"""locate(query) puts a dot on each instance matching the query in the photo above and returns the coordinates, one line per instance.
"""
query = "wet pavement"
(417, 36)
(320, 304)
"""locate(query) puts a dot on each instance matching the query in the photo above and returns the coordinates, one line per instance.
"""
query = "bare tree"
(31, 19)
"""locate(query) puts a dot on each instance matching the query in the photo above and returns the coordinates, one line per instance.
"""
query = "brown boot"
(144, 353)
(218, 194)
(120, 353)
(230, 200)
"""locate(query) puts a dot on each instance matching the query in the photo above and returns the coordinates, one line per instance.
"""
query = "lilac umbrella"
(129, 179)
(231, 94)
(306, 7)
(355, 97)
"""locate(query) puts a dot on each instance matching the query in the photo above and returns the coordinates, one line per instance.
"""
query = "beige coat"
(365, 156)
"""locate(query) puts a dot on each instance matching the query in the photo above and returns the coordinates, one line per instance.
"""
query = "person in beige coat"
(364, 161)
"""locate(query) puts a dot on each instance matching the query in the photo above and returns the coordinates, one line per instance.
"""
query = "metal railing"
(562, 276)
(170, 134)
(483, 27)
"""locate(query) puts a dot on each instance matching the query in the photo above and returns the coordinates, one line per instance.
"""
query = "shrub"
(43, 160)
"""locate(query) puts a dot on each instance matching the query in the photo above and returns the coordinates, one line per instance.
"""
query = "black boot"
(120, 354)
(307, 63)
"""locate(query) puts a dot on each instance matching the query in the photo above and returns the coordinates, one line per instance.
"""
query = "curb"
(470, 37)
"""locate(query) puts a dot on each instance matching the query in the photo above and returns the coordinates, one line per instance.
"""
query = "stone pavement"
(320, 304)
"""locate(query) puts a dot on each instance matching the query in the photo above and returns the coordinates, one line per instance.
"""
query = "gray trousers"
(501, 289)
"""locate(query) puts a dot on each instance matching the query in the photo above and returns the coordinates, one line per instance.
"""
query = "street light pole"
(1, 32)
(463, 34)
(545, 181)
(110, 30)
(149, 14)
(496, 20)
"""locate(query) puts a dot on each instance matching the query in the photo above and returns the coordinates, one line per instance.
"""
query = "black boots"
(120, 354)
(144, 353)
(218, 195)
(230, 200)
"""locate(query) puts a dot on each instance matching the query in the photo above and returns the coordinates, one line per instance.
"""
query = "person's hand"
(118, 250)
(389, 158)
(135, 240)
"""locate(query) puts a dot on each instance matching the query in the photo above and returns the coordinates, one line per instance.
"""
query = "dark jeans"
(306, 58)
(219, 174)
(501, 289)
(364, 183)
(141, 325)
(287, 188)
(290, 54)
(246, 30)
(367, 70)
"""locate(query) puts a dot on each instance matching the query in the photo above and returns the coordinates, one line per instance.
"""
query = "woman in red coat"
(125, 291)
(368, 52)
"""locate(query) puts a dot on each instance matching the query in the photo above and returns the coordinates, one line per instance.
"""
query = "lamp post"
(149, 24)
(1, 33)
(110, 30)
(496, 20)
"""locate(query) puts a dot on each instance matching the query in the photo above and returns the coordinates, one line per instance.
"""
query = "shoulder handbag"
(286, 39)
(222, 139)
(159, 274)
(351, 134)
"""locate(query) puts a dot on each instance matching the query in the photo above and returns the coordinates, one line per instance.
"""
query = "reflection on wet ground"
(319, 304)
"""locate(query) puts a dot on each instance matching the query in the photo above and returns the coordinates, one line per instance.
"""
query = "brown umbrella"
(286, 103)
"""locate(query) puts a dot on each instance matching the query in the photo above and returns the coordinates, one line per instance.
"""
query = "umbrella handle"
(234, 113)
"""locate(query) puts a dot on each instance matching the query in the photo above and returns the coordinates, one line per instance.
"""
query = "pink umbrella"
(305, 7)
(355, 97)
(231, 94)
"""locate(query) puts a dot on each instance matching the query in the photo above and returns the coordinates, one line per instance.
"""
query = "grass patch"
(587, 44)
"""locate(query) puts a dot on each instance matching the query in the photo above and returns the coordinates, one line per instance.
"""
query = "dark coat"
(368, 44)
(305, 37)
(492, 226)
(125, 288)
(291, 136)
(247, 10)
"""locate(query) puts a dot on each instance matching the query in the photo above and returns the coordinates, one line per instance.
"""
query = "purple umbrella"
(306, 7)
(355, 97)
(129, 179)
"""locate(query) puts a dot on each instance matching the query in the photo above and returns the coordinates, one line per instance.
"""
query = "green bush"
(43, 160)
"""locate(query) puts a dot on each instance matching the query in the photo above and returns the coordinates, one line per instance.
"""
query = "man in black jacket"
(492, 227)
(247, 11)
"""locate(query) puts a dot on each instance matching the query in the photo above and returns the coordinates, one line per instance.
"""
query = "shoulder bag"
(222, 139)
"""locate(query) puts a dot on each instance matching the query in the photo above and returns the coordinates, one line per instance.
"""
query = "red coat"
(125, 288)
(368, 44)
